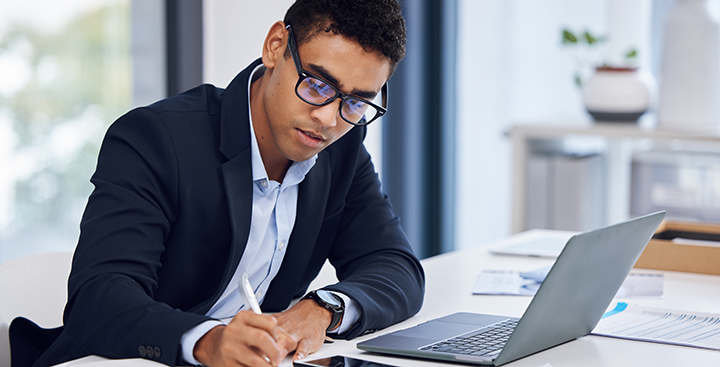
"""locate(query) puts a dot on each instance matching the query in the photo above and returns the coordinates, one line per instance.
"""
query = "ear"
(274, 45)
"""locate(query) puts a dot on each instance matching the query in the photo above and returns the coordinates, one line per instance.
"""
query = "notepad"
(694, 329)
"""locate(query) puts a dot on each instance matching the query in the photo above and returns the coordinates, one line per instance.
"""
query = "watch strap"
(337, 311)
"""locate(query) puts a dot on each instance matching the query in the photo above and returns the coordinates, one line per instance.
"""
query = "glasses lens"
(315, 91)
(353, 110)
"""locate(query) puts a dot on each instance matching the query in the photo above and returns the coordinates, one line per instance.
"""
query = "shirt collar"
(297, 171)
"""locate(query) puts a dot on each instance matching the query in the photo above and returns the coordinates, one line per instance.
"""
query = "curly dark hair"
(375, 24)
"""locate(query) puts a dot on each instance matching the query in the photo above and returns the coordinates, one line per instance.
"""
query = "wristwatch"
(330, 302)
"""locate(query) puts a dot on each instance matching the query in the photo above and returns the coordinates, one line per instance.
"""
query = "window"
(65, 75)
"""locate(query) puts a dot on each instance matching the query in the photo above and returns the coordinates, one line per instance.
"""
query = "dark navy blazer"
(168, 221)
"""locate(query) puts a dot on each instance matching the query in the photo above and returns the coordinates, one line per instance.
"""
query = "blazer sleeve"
(373, 259)
(110, 309)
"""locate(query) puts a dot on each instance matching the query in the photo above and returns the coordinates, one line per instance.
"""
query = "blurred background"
(448, 152)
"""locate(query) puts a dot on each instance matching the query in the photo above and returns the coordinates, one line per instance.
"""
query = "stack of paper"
(661, 326)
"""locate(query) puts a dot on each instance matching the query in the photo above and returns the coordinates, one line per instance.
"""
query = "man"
(268, 177)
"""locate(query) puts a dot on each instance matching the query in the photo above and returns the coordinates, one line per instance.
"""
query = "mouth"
(310, 138)
(312, 135)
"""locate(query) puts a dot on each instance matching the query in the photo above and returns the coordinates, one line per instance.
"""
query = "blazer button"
(142, 352)
(158, 352)
(149, 352)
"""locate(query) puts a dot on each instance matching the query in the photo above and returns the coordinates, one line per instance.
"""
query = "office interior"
(474, 70)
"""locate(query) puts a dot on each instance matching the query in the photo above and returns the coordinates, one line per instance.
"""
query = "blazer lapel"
(237, 174)
(312, 201)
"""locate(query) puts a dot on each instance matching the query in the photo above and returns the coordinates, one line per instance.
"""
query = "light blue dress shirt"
(273, 217)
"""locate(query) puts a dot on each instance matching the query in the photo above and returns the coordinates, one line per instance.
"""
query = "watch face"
(328, 297)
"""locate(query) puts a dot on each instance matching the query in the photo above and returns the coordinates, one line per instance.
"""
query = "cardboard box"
(688, 247)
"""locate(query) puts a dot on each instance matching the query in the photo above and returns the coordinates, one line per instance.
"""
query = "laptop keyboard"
(483, 342)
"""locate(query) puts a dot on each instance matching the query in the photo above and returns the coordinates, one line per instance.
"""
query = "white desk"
(449, 282)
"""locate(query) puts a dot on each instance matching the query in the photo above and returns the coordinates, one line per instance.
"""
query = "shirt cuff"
(351, 314)
(191, 337)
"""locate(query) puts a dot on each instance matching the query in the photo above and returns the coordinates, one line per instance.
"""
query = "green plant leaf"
(590, 39)
(568, 37)
(632, 54)
(578, 80)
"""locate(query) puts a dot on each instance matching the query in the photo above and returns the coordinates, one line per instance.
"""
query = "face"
(300, 130)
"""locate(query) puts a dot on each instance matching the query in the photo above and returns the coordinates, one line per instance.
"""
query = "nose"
(328, 114)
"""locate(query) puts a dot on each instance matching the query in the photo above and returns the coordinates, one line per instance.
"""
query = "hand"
(306, 322)
(248, 340)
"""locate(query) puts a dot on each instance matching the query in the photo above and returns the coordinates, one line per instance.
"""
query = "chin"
(300, 158)
(298, 155)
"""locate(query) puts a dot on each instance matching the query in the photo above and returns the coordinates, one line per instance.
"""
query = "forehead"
(351, 65)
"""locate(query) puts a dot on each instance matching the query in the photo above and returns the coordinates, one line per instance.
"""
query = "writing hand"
(248, 340)
(306, 322)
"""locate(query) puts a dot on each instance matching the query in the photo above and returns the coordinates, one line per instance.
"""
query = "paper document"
(635, 322)
(498, 282)
(535, 242)
(686, 241)
(514, 283)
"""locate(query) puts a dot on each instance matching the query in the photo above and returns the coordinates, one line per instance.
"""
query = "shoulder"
(196, 111)
(204, 98)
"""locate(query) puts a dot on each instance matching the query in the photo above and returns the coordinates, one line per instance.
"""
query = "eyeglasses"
(317, 91)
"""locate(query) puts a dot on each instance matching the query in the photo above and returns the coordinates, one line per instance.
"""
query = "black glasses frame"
(303, 74)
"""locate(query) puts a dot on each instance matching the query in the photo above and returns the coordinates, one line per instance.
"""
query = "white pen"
(248, 294)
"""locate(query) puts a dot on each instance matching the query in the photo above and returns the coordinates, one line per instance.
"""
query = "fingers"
(255, 337)
(221, 346)
(306, 347)
(263, 322)
(243, 355)
(303, 349)
(285, 340)
(306, 322)
(248, 340)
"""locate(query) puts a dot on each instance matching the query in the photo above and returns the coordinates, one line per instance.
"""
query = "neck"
(276, 164)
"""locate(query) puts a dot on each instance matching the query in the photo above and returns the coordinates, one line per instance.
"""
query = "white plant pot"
(619, 94)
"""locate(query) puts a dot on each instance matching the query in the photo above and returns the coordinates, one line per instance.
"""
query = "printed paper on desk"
(635, 322)
(514, 283)
(498, 282)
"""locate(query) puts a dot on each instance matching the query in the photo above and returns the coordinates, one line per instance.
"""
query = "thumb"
(303, 350)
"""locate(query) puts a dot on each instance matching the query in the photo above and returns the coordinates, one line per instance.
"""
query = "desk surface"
(449, 281)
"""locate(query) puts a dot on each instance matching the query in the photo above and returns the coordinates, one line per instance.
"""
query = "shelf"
(619, 142)
(607, 130)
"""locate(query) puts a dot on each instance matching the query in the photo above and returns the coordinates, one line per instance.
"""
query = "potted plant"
(612, 93)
